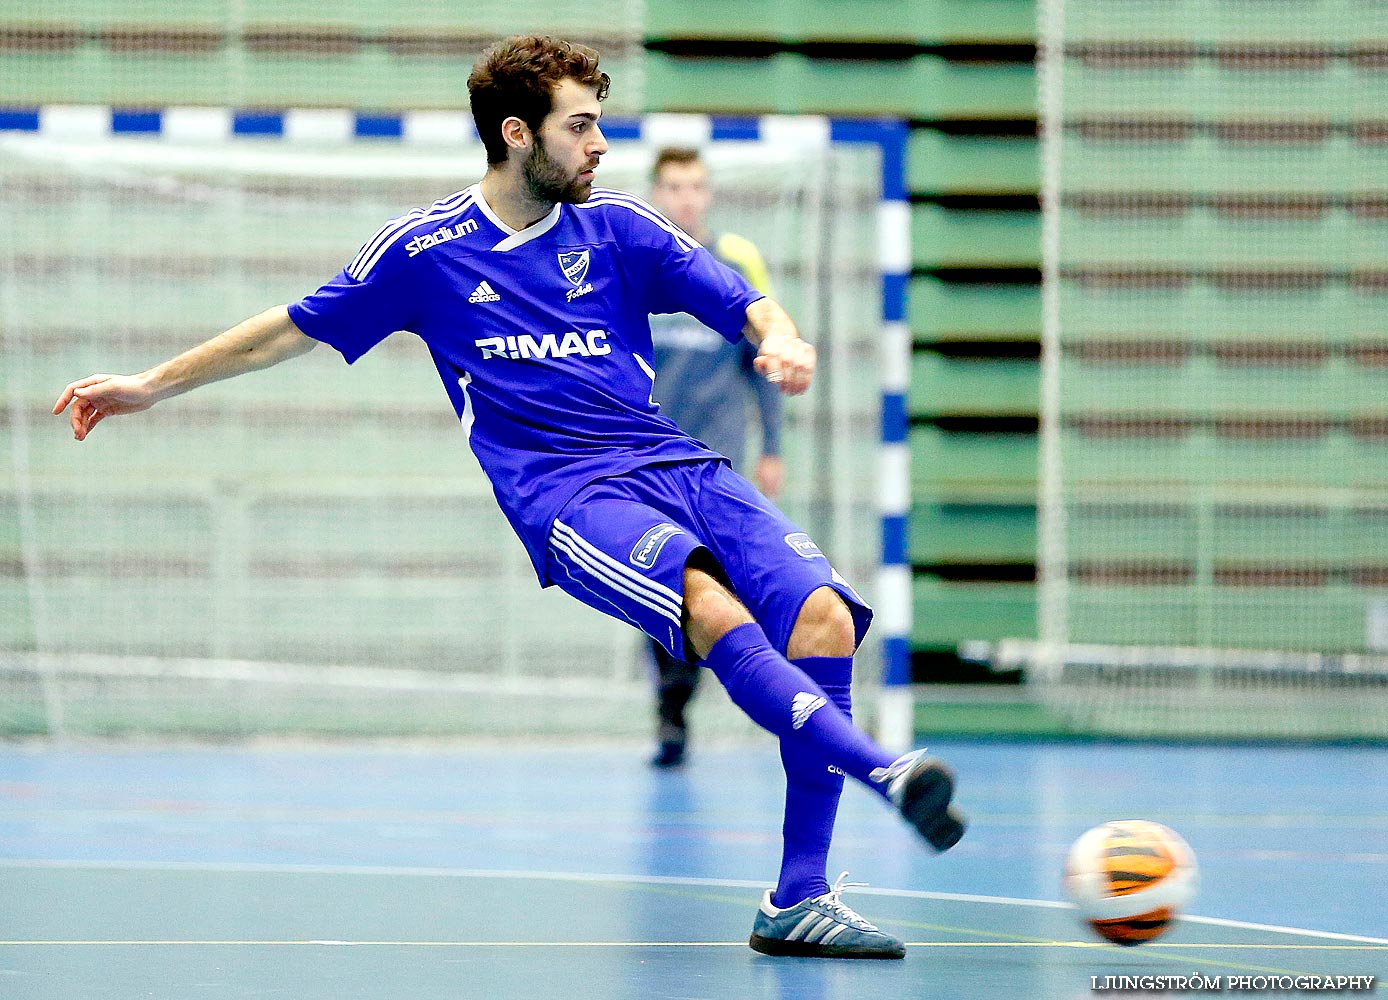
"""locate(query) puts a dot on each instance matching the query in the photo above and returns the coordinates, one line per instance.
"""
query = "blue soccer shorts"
(621, 543)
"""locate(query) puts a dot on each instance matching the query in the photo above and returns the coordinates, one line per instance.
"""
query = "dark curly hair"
(516, 77)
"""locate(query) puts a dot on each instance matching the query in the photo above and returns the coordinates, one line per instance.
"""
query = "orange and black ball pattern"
(1129, 879)
(1135, 857)
(1134, 930)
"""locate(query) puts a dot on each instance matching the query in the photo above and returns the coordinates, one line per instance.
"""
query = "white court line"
(1275, 929)
(1087, 945)
(720, 883)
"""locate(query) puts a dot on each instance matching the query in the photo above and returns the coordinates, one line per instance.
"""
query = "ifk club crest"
(574, 264)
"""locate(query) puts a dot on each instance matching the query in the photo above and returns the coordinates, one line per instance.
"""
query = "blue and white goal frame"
(892, 596)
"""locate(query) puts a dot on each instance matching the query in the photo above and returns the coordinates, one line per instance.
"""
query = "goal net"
(290, 53)
(313, 549)
(1214, 453)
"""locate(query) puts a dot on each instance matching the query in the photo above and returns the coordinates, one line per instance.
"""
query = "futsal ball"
(1130, 878)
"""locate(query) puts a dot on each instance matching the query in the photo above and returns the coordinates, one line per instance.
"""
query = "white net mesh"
(1214, 448)
(313, 548)
(289, 53)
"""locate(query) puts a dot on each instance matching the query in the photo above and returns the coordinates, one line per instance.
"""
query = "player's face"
(682, 193)
(560, 165)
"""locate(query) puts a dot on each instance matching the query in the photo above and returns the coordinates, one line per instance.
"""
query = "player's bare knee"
(824, 627)
(711, 610)
(709, 603)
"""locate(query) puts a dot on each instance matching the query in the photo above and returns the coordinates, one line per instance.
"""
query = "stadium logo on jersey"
(483, 293)
(591, 345)
(804, 705)
(442, 235)
(647, 550)
(575, 266)
(803, 545)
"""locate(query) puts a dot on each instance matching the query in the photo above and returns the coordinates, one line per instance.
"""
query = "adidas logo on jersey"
(802, 706)
(591, 345)
(423, 242)
(483, 293)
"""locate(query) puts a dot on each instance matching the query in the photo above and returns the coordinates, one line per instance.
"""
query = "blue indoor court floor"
(515, 871)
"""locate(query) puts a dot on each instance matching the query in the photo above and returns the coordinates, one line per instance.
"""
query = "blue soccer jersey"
(542, 336)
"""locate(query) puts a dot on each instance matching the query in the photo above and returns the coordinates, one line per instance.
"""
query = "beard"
(546, 180)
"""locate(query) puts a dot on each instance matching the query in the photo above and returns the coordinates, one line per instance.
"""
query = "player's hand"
(787, 361)
(97, 397)
(770, 475)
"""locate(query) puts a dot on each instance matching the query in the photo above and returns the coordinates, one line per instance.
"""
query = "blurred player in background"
(709, 387)
(532, 290)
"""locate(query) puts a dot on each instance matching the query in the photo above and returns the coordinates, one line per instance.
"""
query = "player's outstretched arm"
(259, 342)
(782, 357)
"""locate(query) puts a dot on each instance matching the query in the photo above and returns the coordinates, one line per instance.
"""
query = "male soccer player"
(532, 295)
(707, 386)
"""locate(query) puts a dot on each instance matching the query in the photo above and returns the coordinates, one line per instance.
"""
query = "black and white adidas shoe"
(921, 787)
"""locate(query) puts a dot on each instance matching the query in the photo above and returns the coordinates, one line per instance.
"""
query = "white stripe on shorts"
(605, 602)
(658, 590)
(583, 561)
(604, 568)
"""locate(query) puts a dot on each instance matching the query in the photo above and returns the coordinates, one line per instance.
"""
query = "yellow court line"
(1272, 947)
(669, 944)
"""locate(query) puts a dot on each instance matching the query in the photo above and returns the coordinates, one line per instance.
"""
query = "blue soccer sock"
(812, 794)
(781, 698)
